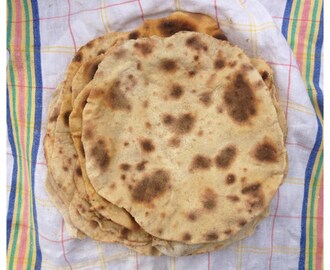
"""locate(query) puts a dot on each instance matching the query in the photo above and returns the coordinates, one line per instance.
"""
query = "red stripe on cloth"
(319, 231)
(289, 86)
(70, 28)
(300, 145)
(136, 261)
(302, 34)
(63, 249)
(295, 19)
(141, 9)
(208, 261)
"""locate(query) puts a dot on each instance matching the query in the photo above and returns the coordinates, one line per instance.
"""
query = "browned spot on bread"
(160, 231)
(162, 214)
(54, 115)
(192, 216)
(196, 57)
(209, 199)
(195, 43)
(125, 166)
(66, 116)
(186, 237)
(100, 52)
(219, 109)
(138, 65)
(146, 213)
(147, 145)
(168, 65)
(144, 47)
(230, 179)
(118, 54)
(242, 222)
(219, 64)
(101, 207)
(145, 104)
(232, 64)
(126, 143)
(134, 35)
(113, 186)
(185, 123)
(100, 155)
(205, 98)
(211, 236)
(124, 233)
(78, 57)
(141, 165)
(176, 91)
(123, 176)
(192, 73)
(200, 133)
(247, 67)
(168, 119)
(90, 44)
(251, 189)
(148, 125)
(78, 171)
(226, 157)
(200, 162)
(220, 36)
(265, 75)
(65, 168)
(93, 224)
(88, 134)
(232, 198)
(228, 232)
(169, 27)
(151, 186)
(266, 152)
(240, 100)
(116, 98)
(174, 142)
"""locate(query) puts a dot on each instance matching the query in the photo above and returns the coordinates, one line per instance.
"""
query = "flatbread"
(203, 125)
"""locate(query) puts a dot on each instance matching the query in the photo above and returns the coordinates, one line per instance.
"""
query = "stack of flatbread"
(167, 139)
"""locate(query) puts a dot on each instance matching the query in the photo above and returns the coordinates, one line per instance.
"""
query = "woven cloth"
(42, 39)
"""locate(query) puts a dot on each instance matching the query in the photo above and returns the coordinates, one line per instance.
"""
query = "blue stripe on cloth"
(285, 23)
(37, 119)
(12, 194)
(319, 136)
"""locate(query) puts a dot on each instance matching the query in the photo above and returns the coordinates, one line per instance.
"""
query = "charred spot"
(200, 163)
(100, 52)
(251, 189)
(126, 143)
(266, 152)
(212, 236)
(205, 98)
(265, 75)
(169, 27)
(123, 176)
(228, 232)
(242, 222)
(192, 216)
(195, 43)
(226, 157)
(176, 91)
(151, 186)
(125, 166)
(144, 47)
(185, 123)
(66, 116)
(141, 165)
(134, 35)
(196, 57)
(168, 119)
(168, 65)
(78, 171)
(219, 64)
(209, 199)
(124, 233)
(78, 57)
(230, 179)
(147, 145)
(186, 237)
(192, 73)
(117, 99)
(240, 100)
(100, 155)
(220, 36)
(232, 198)
(174, 142)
